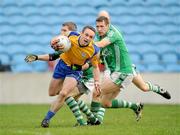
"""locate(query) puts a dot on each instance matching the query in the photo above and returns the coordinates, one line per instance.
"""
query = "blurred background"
(151, 29)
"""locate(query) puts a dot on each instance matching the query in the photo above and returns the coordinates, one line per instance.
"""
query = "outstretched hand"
(30, 58)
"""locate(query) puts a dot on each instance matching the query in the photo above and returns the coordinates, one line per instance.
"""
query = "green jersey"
(88, 74)
(115, 55)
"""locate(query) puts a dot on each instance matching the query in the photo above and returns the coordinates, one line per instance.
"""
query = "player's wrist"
(96, 82)
(36, 57)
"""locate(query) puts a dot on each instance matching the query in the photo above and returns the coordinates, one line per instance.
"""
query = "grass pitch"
(26, 119)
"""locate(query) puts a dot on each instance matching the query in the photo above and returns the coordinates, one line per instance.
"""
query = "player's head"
(102, 25)
(68, 26)
(104, 13)
(87, 35)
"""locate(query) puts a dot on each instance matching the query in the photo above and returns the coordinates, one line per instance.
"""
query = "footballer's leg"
(73, 105)
(68, 85)
(55, 86)
(147, 86)
(109, 101)
(114, 85)
(77, 92)
(107, 86)
(92, 120)
(53, 89)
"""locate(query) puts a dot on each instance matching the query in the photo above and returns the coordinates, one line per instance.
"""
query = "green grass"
(25, 120)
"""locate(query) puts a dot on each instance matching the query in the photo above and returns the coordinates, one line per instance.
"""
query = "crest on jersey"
(105, 52)
(83, 54)
(110, 34)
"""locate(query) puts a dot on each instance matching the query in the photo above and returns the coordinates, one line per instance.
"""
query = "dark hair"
(71, 26)
(89, 27)
(102, 18)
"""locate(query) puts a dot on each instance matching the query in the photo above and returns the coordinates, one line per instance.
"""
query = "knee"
(63, 94)
(51, 93)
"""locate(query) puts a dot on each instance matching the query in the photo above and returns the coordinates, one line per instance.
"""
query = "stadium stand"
(151, 58)
(40, 66)
(173, 68)
(136, 57)
(22, 68)
(150, 28)
(5, 59)
(155, 68)
(169, 58)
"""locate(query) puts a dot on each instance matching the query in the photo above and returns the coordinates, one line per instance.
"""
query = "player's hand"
(30, 58)
(58, 47)
(54, 41)
(97, 88)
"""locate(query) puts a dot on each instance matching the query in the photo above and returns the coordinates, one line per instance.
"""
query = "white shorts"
(135, 71)
(86, 87)
(119, 78)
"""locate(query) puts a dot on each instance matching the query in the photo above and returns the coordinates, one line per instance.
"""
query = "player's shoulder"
(96, 49)
(73, 33)
(114, 32)
(73, 36)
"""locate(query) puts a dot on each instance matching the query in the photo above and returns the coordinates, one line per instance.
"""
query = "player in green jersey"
(116, 58)
(138, 80)
(118, 64)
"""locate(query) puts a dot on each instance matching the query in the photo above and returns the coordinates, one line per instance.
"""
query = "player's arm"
(94, 61)
(103, 43)
(96, 76)
(44, 57)
(96, 72)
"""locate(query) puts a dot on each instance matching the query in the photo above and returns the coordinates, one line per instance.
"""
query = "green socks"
(153, 88)
(84, 108)
(97, 110)
(117, 103)
(71, 102)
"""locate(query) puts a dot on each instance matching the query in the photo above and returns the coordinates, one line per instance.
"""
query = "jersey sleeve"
(73, 33)
(95, 58)
(111, 36)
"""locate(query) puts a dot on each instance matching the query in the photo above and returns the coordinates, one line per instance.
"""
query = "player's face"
(102, 28)
(64, 30)
(86, 37)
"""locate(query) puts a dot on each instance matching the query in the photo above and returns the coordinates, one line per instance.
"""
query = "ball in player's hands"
(61, 43)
